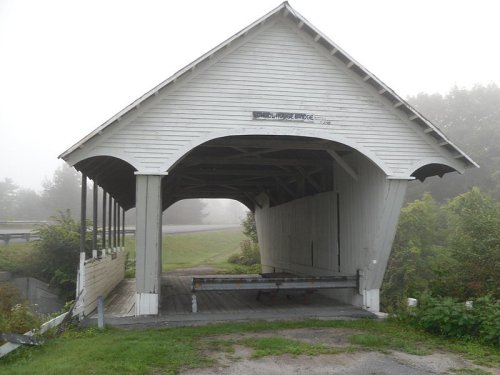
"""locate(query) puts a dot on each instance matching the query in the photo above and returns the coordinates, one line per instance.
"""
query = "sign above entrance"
(283, 116)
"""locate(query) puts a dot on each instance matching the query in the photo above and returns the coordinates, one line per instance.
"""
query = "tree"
(250, 227)
(188, 211)
(448, 250)
(63, 192)
(471, 118)
(59, 253)
(416, 249)
(7, 199)
(29, 206)
(474, 220)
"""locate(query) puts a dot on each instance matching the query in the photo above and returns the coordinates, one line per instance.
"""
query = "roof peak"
(334, 50)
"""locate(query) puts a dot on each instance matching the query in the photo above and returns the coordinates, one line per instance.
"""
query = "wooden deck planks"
(176, 300)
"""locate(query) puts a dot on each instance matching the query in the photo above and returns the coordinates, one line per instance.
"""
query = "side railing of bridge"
(98, 276)
(274, 282)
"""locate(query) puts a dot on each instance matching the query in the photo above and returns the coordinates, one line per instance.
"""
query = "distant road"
(173, 229)
(167, 229)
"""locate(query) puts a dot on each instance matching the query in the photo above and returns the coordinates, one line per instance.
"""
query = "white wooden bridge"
(283, 120)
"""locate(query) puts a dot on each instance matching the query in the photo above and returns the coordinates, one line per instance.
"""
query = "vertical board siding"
(286, 233)
(275, 69)
(369, 210)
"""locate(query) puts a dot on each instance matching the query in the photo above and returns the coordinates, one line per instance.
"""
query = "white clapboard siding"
(275, 68)
(101, 276)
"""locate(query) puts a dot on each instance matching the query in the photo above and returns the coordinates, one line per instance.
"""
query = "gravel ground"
(240, 362)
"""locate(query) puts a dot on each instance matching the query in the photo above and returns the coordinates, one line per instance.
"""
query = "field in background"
(195, 249)
(185, 250)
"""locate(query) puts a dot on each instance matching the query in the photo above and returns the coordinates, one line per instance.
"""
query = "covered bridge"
(283, 120)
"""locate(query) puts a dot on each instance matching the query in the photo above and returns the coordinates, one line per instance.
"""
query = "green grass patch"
(266, 346)
(187, 250)
(168, 350)
(470, 371)
(370, 341)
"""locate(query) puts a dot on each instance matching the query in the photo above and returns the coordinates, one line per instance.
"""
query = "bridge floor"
(220, 306)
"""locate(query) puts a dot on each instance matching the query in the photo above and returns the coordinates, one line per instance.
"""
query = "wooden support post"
(148, 244)
(110, 216)
(115, 205)
(194, 304)
(94, 216)
(103, 220)
(100, 312)
(118, 231)
(123, 228)
(83, 213)
(80, 286)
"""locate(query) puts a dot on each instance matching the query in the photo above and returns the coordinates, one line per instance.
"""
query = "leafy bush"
(15, 316)
(250, 227)
(250, 254)
(435, 244)
(448, 317)
(59, 253)
(239, 269)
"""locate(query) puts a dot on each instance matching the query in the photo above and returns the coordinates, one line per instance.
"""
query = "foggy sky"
(68, 66)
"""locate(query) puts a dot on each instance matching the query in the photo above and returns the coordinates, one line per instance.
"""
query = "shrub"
(250, 227)
(448, 317)
(250, 254)
(59, 253)
(15, 316)
(239, 269)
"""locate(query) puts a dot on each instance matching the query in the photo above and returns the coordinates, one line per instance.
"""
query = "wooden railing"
(272, 282)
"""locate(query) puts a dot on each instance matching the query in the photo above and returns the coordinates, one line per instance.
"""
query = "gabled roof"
(286, 10)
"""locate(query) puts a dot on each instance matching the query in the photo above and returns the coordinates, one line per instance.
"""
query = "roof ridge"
(319, 37)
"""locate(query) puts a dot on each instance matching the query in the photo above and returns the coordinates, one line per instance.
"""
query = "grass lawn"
(168, 350)
(188, 250)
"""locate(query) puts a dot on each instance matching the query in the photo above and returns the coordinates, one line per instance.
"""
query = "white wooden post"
(83, 214)
(100, 312)
(80, 288)
(148, 244)
(194, 303)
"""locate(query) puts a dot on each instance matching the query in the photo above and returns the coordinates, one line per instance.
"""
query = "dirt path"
(239, 360)
(198, 271)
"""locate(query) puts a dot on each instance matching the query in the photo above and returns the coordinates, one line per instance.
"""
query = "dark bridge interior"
(240, 168)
